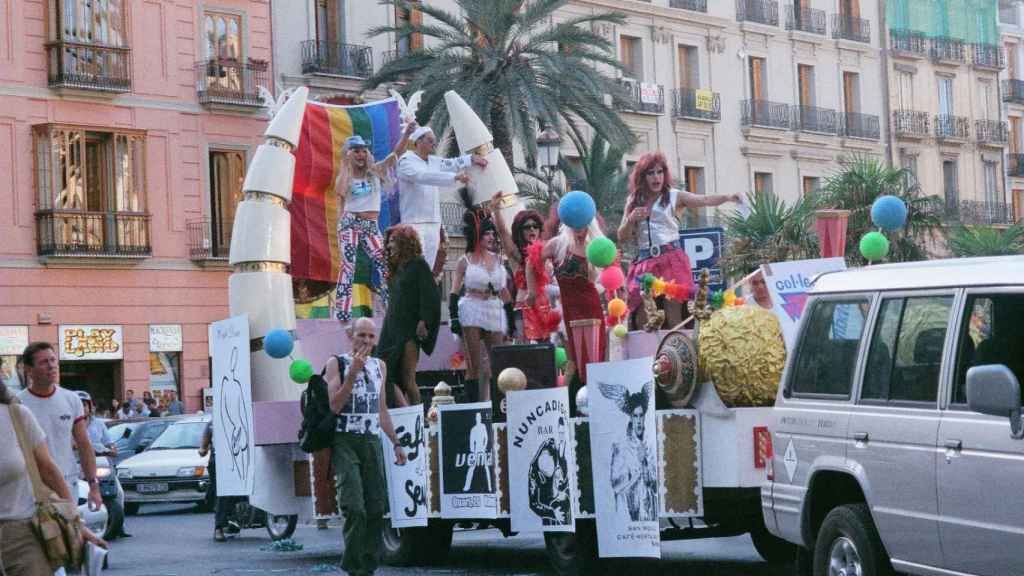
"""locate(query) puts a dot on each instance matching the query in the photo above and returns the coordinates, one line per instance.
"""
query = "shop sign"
(78, 342)
(13, 340)
(165, 337)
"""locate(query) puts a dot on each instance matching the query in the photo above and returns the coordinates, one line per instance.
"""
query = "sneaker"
(218, 535)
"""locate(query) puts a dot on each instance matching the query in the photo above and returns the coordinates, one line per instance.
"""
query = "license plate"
(151, 488)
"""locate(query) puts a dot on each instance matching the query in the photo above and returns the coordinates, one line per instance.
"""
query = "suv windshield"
(182, 435)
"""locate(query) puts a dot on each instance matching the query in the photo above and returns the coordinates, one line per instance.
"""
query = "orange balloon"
(616, 307)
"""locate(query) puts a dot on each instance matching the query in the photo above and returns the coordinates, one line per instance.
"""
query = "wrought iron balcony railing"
(335, 58)
(805, 20)
(949, 50)
(1015, 165)
(951, 127)
(1013, 91)
(765, 114)
(693, 5)
(988, 56)
(643, 97)
(993, 132)
(760, 11)
(858, 125)
(910, 123)
(89, 67)
(814, 119)
(228, 81)
(908, 43)
(696, 104)
(97, 234)
(851, 28)
(208, 240)
(979, 213)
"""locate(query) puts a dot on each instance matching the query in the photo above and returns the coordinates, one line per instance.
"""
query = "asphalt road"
(175, 541)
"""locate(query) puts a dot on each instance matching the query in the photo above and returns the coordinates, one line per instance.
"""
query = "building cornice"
(636, 8)
(125, 100)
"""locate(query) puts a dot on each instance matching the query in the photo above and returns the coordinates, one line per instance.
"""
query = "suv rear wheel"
(848, 544)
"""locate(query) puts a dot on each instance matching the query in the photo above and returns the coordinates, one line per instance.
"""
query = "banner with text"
(407, 485)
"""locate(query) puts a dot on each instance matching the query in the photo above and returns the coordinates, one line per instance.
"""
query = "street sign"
(704, 247)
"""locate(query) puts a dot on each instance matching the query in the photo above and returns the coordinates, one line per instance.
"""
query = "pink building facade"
(125, 130)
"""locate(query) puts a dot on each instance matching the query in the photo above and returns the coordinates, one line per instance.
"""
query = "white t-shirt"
(18, 502)
(663, 225)
(57, 414)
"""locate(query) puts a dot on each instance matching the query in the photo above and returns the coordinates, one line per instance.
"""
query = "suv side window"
(827, 353)
(905, 356)
(991, 332)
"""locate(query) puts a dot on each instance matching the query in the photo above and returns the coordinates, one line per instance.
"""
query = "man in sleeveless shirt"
(355, 385)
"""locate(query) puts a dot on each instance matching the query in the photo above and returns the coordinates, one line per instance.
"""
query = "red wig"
(639, 195)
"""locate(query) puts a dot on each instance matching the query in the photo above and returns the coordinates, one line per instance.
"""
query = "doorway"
(101, 379)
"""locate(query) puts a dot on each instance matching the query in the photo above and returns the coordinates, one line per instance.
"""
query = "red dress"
(580, 301)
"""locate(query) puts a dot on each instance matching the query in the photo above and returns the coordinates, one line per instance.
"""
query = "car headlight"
(103, 471)
(189, 471)
(124, 473)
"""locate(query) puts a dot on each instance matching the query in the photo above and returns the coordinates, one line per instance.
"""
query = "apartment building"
(1011, 30)
(125, 131)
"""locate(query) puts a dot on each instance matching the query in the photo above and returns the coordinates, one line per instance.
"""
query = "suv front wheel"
(848, 544)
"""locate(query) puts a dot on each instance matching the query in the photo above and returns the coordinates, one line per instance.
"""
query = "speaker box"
(537, 361)
(427, 379)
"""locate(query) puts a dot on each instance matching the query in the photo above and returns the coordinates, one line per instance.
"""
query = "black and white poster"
(232, 415)
(407, 485)
(540, 460)
(469, 487)
(624, 456)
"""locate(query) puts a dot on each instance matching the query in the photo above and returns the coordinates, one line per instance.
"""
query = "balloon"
(278, 343)
(647, 280)
(601, 252)
(717, 298)
(729, 298)
(560, 357)
(300, 371)
(740, 301)
(620, 331)
(889, 212)
(616, 307)
(612, 278)
(874, 246)
(576, 209)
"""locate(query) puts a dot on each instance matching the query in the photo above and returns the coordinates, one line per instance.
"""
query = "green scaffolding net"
(970, 21)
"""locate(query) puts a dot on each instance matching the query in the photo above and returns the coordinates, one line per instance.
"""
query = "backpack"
(318, 421)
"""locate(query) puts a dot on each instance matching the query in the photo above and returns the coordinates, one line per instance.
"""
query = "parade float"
(669, 439)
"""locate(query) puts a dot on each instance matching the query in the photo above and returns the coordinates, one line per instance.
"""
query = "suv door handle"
(861, 436)
(954, 444)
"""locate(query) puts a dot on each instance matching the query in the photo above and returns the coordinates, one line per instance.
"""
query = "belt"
(655, 251)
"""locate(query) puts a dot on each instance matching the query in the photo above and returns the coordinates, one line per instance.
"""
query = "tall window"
(904, 90)
(758, 80)
(849, 8)
(411, 17)
(991, 183)
(329, 23)
(811, 185)
(689, 67)
(851, 92)
(1011, 58)
(988, 109)
(693, 181)
(949, 184)
(92, 22)
(227, 171)
(805, 83)
(946, 95)
(223, 36)
(1015, 134)
(909, 163)
(631, 56)
(762, 182)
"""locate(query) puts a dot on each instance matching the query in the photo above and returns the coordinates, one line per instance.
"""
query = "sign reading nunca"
(81, 342)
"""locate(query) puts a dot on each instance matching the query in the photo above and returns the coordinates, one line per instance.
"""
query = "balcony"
(864, 126)
(951, 127)
(765, 114)
(1013, 91)
(643, 98)
(817, 120)
(1015, 165)
(948, 51)
(910, 124)
(230, 83)
(851, 28)
(991, 132)
(987, 57)
(337, 59)
(760, 11)
(78, 66)
(73, 233)
(805, 20)
(695, 104)
(692, 5)
(908, 43)
(979, 213)
(206, 244)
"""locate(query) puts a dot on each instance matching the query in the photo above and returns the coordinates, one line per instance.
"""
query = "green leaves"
(772, 231)
(969, 241)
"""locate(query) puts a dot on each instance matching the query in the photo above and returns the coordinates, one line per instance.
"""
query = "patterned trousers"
(355, 233)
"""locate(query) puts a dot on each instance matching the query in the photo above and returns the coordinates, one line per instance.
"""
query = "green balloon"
(601, 252)
(560, 357)
(717, 299)
(874, 246)
(300, 371)
(647, 280)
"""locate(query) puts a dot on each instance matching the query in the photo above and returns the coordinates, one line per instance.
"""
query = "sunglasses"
(531, 226)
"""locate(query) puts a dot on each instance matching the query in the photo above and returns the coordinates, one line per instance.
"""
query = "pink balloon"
(612, 278)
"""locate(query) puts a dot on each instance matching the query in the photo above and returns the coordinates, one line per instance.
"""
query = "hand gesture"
(410, 128)
(462, 177)
(399, 455)
(639, 213)
(359, 359)
(479, 160)
(495, 204)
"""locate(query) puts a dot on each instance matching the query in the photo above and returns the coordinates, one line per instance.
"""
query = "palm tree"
(772, 231)
(967, 241)
(514, 65)
(861, 180)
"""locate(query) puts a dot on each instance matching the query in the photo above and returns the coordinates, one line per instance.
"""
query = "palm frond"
(969, 241)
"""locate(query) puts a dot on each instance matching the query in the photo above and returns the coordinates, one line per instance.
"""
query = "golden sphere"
(511, 379)
(742, 351)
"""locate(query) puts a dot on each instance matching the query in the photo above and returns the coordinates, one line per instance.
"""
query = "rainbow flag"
(314, 206)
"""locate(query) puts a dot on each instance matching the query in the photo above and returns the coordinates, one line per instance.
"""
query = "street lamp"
(549, 145)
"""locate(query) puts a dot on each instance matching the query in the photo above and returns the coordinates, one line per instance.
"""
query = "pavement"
(170, 540)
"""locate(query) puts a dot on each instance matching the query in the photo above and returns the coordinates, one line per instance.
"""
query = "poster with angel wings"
(624, 457)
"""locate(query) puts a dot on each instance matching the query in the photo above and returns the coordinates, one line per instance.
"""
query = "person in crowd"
(122, 410)
(651, 220)
(151, 410)
(414, 316)
(102, 442)
(61, 416)
(479, 313)
(224, 504)
(759, 293)
(354, 385)
(174, 407)
(421, 175)
(21, 552)
(358, 187)
(131, 402)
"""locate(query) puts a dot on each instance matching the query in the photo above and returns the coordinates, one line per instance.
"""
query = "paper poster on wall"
(468, 483)
(232, 412)
(624, 457)
(540, 460)
(407, 484)
(788, 283)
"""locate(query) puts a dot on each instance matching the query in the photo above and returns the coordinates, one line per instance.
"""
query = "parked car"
(136, 434)
(170, 469)
(898, 440)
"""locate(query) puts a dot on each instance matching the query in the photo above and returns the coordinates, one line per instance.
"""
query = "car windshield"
(182, 435)
(117, 431)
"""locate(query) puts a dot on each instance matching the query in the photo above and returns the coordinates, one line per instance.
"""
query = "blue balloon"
(576, 209)
(889, 213)
(278, 343)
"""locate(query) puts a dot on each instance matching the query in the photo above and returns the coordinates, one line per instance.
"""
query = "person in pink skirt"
(651, 218)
